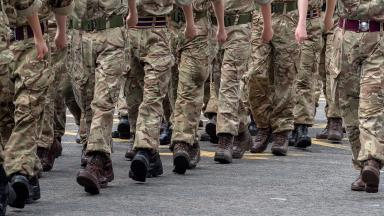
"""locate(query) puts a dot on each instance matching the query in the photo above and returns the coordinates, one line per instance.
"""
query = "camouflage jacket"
(17, 11)
(92, 9)
(362, 9)
(314, 4)
(154, 7)
(242, 6)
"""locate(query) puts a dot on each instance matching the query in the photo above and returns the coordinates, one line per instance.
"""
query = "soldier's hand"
(41, 48)
(267, 35)
(328, 24)
(301, 34)
(221, 35)
(190, 32)
(132, 18)
(60, 40)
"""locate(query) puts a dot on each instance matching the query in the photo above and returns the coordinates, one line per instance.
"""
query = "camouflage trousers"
(7, 87)
(272, 73)
(232, 60)
(151, 61)
(97, 64)
(360, 61)
(307, 76)
(122, 106)
(54, 107)
(193, 73)
(332, 109)
(32, 79)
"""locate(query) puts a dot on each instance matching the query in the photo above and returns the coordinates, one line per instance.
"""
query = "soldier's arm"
(328, 18)
(301, 29)
(218, 7)
(267, 18)
(190, 28)
(40, 44)
(61, 9)
(132, 18)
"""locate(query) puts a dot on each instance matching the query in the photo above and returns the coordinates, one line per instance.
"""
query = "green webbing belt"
(97, 24)
(234, 19)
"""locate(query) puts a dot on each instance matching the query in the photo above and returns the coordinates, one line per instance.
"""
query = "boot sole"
(139, 170)
(304, 142)
(355, 188)
(278, 152)
(129, 156)
(222, 158)
(371, 180)
(334, 138)
(181, 163)
(238, 155)
(22, 195)
(89, 183)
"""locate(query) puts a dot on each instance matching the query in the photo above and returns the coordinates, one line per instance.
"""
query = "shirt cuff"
(33, 9)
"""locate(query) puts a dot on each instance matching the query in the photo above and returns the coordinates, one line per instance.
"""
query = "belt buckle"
(363, 26)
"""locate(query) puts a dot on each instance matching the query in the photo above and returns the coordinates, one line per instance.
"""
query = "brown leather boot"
(195, 156)
(92, 178)
(335, 132)
(108, 170)
(181, 157)
(358, 184)
(280, 143)
(241, 144)
(223, 153)
(83, 157)
(324, 133)
(371, 175)
(47, 158)
(130, 151)
(260, 143)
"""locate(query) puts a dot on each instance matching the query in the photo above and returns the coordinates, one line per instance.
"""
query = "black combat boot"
(302, 138)
(166, 134)
(21, 187)
(145, 164)
(124, 128)
(210, 129)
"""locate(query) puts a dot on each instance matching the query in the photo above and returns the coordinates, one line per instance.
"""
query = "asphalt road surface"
(315, 181)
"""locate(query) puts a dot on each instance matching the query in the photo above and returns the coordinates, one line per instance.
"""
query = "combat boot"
(108, 170)
(335, 132)
(92, 178)
(57, 147)
(7, 195)
(181, 157)
(252, 127)
(210, 129)
(34, 190)
(145, 164)
(371, 175)
(124, 128)
(47, 158)
(260, 143)
(224, 152)
(201, 124)
(292, 137)
(166, 135)
(241, 144)
(324, 133)
(195, 156)
(130, 151)
(280, 143)
(83, 157)
(205, 137)
(302, 138)
(358, 184)
(21, 187)
(77, 138)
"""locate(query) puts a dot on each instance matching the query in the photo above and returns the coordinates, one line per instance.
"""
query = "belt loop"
(285, 8)
(153, 22)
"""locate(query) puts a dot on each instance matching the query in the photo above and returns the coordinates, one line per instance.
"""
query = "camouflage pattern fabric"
(272, 73)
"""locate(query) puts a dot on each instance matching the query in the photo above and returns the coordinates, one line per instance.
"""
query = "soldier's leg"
(260, 86)
(32, 81)
(190, 92)
(123, 127)
(234, 65)
(306, 83)
(134, 96)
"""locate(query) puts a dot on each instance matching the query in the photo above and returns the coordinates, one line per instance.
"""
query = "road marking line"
(337, 146)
